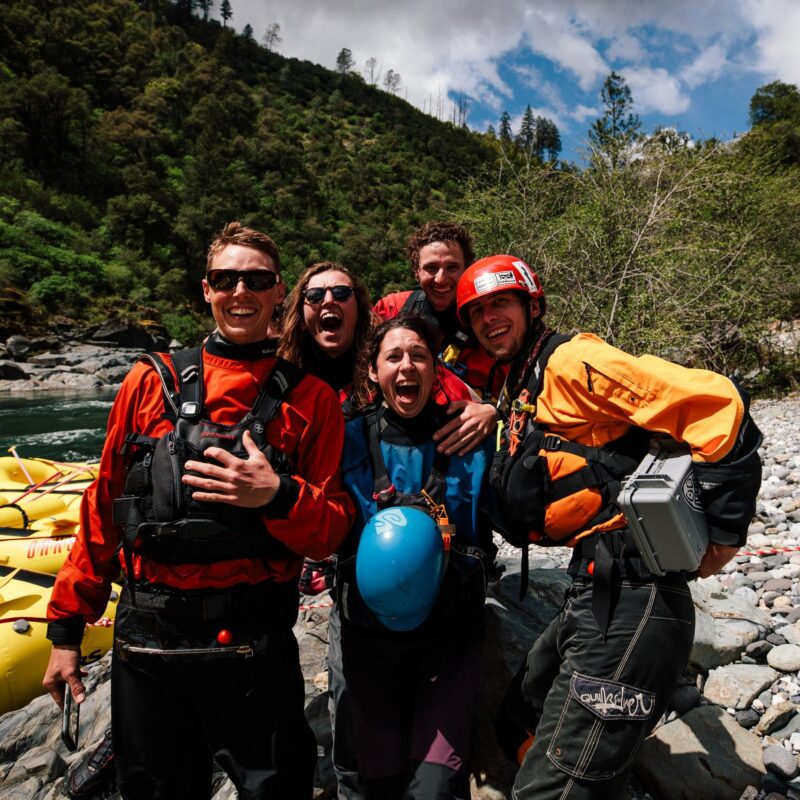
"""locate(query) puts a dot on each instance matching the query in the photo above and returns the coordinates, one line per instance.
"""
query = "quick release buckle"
(385, 495)
(190, 410)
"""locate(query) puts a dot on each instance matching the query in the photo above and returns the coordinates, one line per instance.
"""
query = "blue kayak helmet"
(399, 566)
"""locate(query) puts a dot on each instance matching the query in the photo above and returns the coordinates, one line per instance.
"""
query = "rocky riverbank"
(100, 357)
(733, 729)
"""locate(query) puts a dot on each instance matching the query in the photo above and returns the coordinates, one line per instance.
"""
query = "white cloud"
(581, 113)
(708, 66)
(664, 49)
(777, 23)
(553, 34)
(655, 90)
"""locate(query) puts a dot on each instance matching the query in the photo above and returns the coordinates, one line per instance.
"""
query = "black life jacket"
(159, 516)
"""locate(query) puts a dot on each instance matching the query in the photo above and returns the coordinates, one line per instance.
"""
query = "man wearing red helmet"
(581, 414)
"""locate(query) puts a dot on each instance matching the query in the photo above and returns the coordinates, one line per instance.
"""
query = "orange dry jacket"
(308, 426)
(592, 393)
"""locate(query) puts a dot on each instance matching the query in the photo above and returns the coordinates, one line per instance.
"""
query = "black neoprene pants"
(171, 719)
(592, 700)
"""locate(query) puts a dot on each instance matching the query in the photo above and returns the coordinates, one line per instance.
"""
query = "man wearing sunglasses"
(439, 253)
(205, 666)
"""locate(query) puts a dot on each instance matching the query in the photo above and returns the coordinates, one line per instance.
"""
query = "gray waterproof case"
(661, 501)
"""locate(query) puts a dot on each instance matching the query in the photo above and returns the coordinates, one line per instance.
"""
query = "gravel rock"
(780, 761)
(785, 657)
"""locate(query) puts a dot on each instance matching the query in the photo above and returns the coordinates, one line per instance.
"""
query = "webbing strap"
(385, 491)
(168, 386)
(415, 302)
(283, 378)
(547, 348)
(188, 365)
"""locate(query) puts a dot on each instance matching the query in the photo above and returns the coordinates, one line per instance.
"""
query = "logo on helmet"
(485, 283)
(527, 276)
(388, 518)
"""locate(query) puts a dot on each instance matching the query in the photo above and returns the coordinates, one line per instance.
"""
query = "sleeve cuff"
(284, 501)
(66, 631)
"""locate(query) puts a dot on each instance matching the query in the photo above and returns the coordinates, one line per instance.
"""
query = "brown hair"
(294, 334)
(432, 232)
(364, 389)
(236, 233)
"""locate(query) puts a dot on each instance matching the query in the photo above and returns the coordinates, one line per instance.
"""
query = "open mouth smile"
(330, 322)
(407, 391)
(495, 332)
(242, 311)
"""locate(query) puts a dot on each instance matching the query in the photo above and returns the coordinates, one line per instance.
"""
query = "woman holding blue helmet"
(411, 575)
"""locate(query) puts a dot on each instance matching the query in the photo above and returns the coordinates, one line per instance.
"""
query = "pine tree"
(225, 11)
(205, 5)
(619, 127)
(272, 36)
(372, 73)
(391, 81)
(506, 135)
(527, 130)
(548, 139)
(344, 61)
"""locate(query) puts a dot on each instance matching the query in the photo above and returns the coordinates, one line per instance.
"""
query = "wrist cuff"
(66, 631)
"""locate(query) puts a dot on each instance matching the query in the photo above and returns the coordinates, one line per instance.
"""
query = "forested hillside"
(130, 132)
(662, 243)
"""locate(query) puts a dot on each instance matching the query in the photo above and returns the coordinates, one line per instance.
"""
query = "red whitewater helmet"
(497, 274)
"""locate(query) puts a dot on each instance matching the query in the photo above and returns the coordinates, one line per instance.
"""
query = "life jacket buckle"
(385, 495)
(190, 410)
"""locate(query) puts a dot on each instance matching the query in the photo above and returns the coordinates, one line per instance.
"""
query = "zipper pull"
(589, 384)
(245, 650)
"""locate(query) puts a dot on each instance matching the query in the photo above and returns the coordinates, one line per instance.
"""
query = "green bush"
(57, 293)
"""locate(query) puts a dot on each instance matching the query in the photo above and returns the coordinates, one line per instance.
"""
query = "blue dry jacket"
(408, 451)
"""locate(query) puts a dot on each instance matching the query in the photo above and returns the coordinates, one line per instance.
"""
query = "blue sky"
(690, 64)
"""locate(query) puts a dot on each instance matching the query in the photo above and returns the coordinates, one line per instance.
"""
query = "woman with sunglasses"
(326, 322)
(326, 325)
(411, 665)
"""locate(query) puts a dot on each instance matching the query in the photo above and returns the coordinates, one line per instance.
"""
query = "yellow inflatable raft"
(24, 648)
(39, 517)
(40, 494)
(41, 551)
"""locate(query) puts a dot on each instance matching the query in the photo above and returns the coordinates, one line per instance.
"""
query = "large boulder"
(725, 624)
(126, 333)
(704, 754)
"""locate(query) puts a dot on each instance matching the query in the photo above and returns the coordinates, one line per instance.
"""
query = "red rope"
(316, 605)
(769, 551)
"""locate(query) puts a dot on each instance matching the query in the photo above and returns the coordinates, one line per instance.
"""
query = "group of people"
(397, 437)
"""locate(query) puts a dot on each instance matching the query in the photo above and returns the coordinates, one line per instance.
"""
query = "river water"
(68, 426)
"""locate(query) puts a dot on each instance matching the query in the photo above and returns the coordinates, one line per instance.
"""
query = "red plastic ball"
(225, 636)
(590, 567)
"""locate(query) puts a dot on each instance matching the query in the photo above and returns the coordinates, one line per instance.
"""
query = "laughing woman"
(411, 576)
(326, 323)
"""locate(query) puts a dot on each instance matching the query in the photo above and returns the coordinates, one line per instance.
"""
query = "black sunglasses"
(258, 280)
(317, 294)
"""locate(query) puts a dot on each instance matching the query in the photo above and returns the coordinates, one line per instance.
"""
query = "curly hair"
(366, 390)
(236, 233)
(432, 232)
(294, 335)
